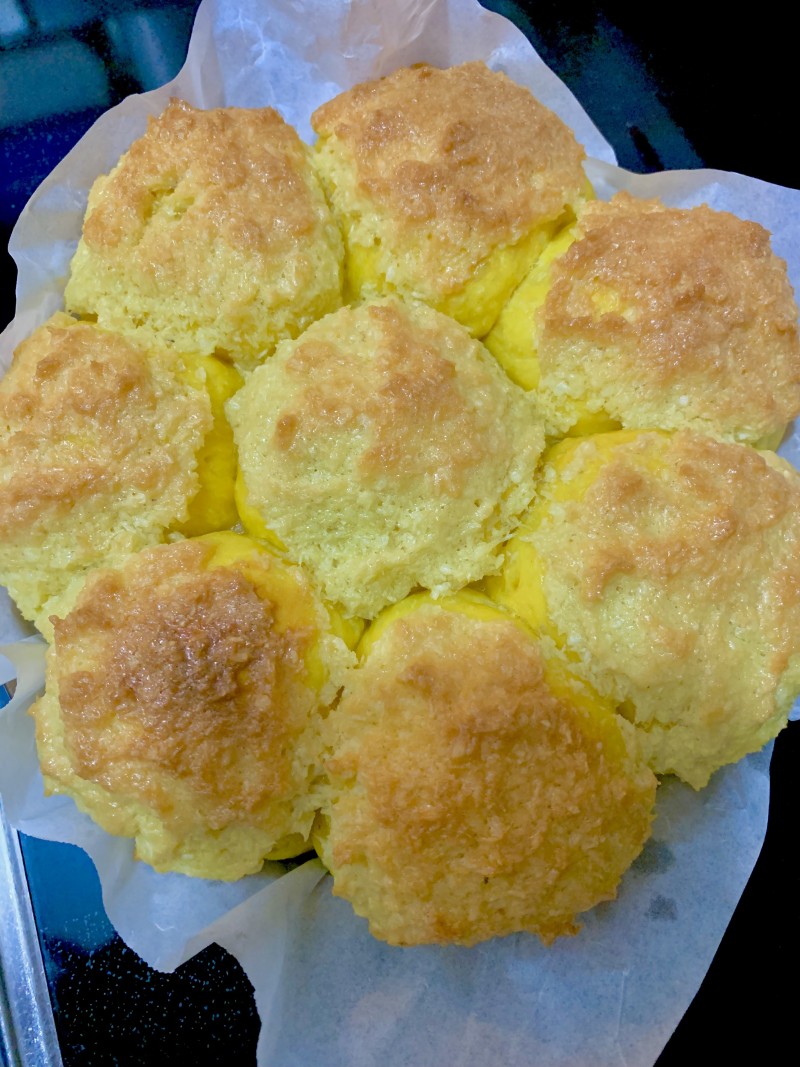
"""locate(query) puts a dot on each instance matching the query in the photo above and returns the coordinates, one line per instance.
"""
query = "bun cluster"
(320, 569)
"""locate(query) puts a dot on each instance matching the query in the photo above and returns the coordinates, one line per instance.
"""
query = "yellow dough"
(644, 316)
(447, 185)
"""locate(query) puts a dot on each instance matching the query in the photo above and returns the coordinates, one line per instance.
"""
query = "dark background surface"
(668, 91)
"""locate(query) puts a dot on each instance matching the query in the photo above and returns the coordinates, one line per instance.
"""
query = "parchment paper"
(328, 994)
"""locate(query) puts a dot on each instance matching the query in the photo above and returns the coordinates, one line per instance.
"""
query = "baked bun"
(666, 568)
(447, 185)
(387, 450)
(646, 316)
(474, 791)
(104, 448)
(211, 235)
(183, 704)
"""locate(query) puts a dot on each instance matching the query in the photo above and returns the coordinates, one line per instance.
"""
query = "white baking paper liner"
(327, 992)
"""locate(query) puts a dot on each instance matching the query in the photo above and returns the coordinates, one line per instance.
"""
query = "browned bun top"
(211, 233)
(669, 565)
(188, 665)
(387, 450)
(98, 453)
(232, 165)
(183, 704)
(464, 154)
(673, 316)
(468, 799)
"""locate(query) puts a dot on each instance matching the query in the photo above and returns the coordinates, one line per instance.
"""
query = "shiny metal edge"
(27, 1027)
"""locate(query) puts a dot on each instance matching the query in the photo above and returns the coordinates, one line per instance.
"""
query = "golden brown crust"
(684, 308)
(98, 446)
(173, 678)
(408, 384)
(62, 404)
(387, 450)
(232, 174)
(672, 569)
(463, 157)
(709, 495)
(467, 800)
(212, 222)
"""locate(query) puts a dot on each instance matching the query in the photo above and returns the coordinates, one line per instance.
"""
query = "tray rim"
(28, 1036)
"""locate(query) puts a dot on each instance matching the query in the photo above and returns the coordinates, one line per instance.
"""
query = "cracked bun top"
(667, 568)
(432, 171)
(386, 449)
(183, 705)
(211, 235)
(667, 317)
(99, 442)
(472, 794)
